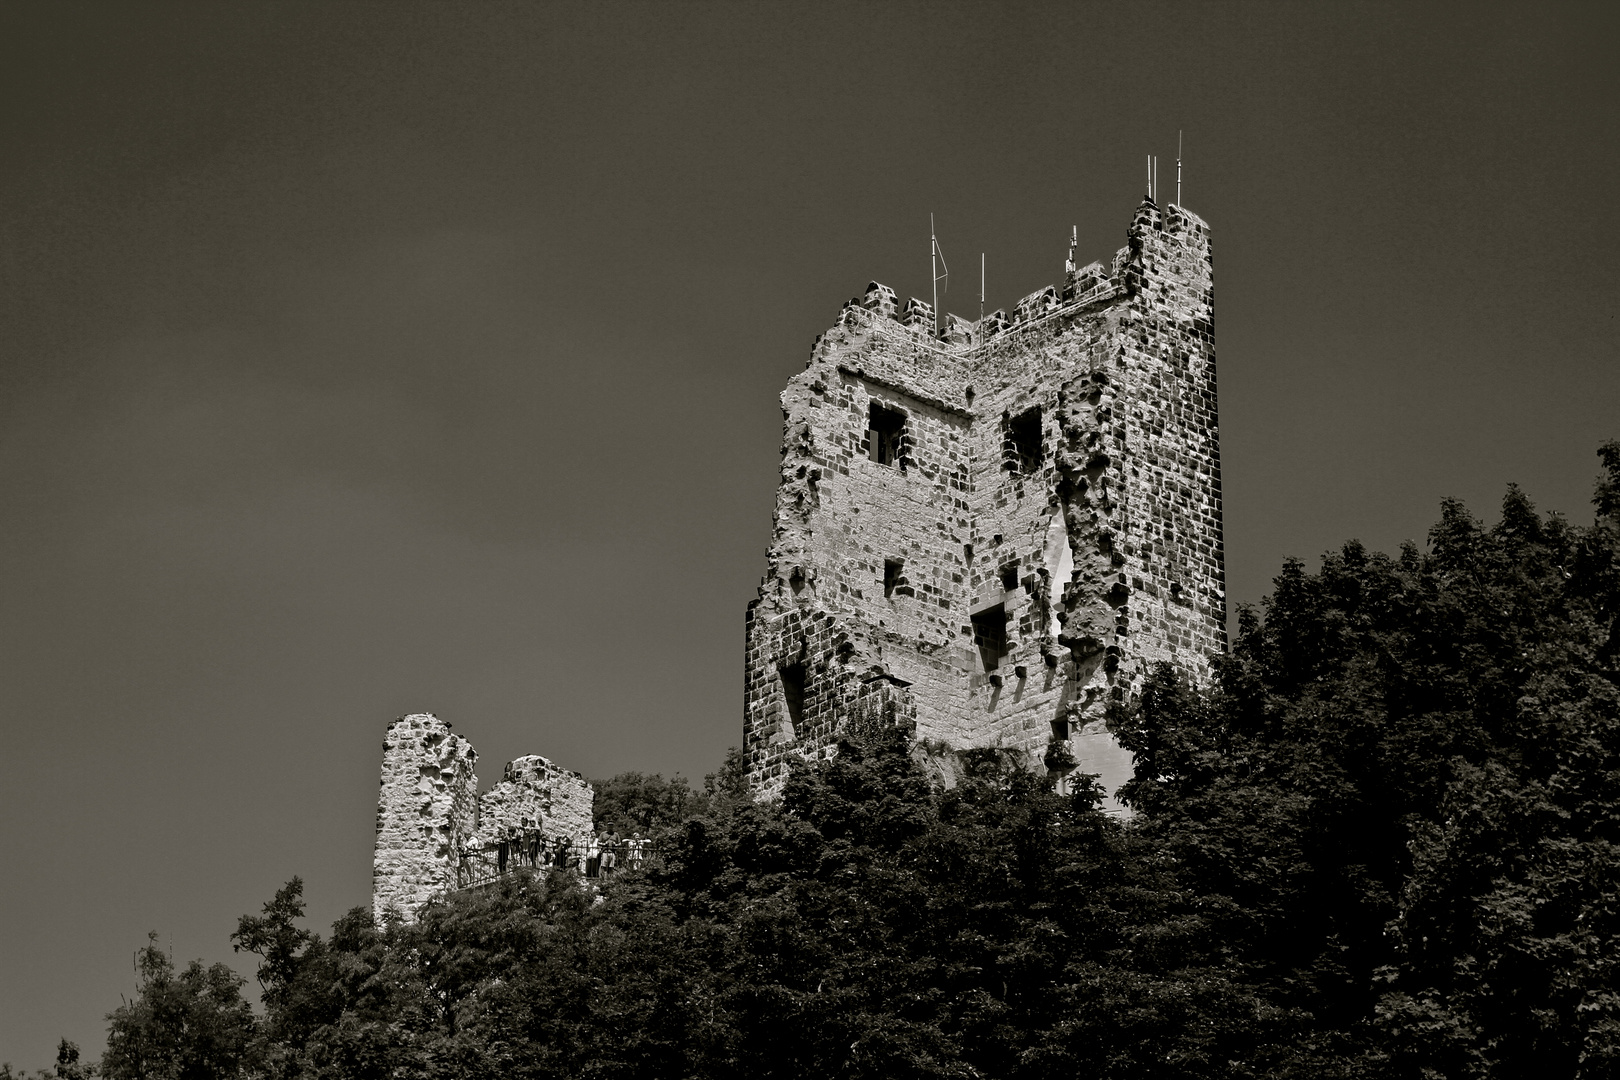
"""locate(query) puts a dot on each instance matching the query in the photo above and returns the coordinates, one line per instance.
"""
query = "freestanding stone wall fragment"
(435, 832)
(989, 533)
(537, 792)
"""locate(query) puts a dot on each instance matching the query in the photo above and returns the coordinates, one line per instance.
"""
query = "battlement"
(1086, 285)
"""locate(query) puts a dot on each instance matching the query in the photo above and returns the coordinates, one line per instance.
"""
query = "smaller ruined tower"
(436, 833)
(427, 810)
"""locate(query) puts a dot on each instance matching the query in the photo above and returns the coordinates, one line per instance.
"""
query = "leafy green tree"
(300, 984)
(186, 1025)
(635, 802)
(68, 1066)
(1401, 804)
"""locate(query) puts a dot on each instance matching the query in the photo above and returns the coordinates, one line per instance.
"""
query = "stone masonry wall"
(427, 809)
(535, 791)
(1058, 469)
(430, 816)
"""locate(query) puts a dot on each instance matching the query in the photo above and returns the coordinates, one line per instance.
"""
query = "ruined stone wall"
(1174, 555)
(435, 831)
(1058, 468)
(535, 791)
(427, 809)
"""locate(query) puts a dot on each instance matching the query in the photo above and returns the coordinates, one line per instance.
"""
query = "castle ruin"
(436, 833)
(988, 531)
(984, 533)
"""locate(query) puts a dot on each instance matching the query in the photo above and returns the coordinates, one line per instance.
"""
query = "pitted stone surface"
(1059, 470)
(431, 818)
(427, 809)
(536, 792)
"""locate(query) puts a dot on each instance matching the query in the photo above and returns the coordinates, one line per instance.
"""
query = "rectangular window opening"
(891, 575)
(793, 691)
(990, 635)
(885, 428)
(1009, 577)
(1024, 431)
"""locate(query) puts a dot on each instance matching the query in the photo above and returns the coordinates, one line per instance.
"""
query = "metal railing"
(477, 867)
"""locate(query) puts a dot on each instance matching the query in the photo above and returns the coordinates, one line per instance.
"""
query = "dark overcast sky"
(357, 360)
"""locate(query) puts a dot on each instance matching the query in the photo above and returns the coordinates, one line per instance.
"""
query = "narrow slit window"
(990, 635)
(793, 692)
(885, 429)
(1024, 432)
(892, 578)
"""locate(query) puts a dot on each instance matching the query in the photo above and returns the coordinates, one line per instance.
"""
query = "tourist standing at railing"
(637, 846)
(593, 855)
(610, 853)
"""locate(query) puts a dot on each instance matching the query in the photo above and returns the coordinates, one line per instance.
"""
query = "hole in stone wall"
(885, 428)
(1024, 434)
(990, 635)
(1009, 576)
(792, 676)
(891, 575)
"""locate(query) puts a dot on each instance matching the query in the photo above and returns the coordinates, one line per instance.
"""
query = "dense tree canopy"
(1384, 843)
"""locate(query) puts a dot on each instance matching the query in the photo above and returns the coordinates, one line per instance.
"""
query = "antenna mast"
(981, 286)
(1178, 168)
(936, 260)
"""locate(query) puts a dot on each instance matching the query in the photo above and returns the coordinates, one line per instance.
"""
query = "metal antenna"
(936, 260)
(1150, 176)
(1074, 242)
(1178, 167)
(981, 286)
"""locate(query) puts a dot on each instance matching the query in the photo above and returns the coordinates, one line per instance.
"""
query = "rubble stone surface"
(988, 533)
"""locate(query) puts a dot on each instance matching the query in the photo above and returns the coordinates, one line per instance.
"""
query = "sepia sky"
(364, 359)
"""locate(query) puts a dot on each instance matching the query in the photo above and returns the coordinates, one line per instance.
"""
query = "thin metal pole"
(933, 268)
(1178, 168)
(937, 259)
(981, 286)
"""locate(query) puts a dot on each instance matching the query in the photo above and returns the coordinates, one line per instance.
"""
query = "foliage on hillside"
(1385, 843)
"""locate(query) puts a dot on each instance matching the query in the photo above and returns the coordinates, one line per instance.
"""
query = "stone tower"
(426, 811)
(991, 531)
(435, 832)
